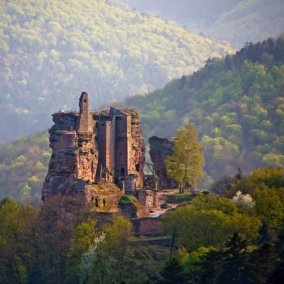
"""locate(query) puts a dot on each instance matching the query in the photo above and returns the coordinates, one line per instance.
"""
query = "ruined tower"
(84, 120)
(96, 155)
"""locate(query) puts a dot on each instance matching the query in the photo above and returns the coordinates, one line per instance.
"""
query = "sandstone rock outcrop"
(94, 154)
(160, 149)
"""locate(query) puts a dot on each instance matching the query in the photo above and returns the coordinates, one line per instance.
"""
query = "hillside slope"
(52, 50)
(237, 21)
(236, 104)
(23, 167)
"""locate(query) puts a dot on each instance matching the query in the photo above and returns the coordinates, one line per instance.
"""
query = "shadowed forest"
(232, 235)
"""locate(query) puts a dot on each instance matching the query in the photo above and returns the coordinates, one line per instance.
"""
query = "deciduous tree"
(185, 165)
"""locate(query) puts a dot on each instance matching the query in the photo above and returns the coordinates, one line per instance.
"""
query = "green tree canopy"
(269, 207)
(209, 222)
(185, 165)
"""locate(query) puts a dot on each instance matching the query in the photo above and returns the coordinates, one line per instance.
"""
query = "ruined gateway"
(97, 155)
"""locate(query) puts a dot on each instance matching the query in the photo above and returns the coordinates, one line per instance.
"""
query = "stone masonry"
(160, 149)
(96, 155)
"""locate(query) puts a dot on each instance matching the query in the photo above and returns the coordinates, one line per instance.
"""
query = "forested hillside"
(237, 21)
(236, 104)
(52, 50)
(208, 239)
(23, 167)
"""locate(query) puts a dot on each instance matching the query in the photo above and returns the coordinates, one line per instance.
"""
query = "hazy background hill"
(23, 167)
(235, 103)
(237, 21)
(52, 50)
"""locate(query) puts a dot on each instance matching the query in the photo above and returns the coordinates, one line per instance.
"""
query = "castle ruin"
(97, 155)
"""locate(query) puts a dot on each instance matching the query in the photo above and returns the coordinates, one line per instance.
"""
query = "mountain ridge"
(236, 21)
(52, 50)
(236, 104)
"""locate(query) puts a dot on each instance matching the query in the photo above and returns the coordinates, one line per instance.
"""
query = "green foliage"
(192, 262)
(259, 179)
(269, 207)
(234, 259)
(172, 272)
(128, 198)
(270, 177)
(52, 49)
(185, 164)
(211, 267)
(235, 21)
(23, 167)
(208, 221)
(237, 262)
(117, 235)
(164, 206)
(48, 247)
(19, 160)
(216, 245)
(235, 104)
(263, 261)
(226, 148)
(100, 255)
(15, 245)
(208, 202)
(181, 197)
(84, 235)
(266, 200)
(145, 262)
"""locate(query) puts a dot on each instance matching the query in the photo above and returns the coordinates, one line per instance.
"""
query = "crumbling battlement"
(91, 148)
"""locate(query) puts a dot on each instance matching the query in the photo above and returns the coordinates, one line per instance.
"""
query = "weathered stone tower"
(160, 149)
(96, 155)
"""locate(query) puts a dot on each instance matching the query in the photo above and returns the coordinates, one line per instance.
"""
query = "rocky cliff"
(160, 149)
(94, 155)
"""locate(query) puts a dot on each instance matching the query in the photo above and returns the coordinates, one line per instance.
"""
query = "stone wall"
(106, 160)
(148, 198)
(160, 149)
(137, 148)
(148, 226)
(63, 165)
(121, 146)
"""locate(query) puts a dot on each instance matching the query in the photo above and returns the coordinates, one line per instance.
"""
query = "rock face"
(94, 154)
(160, 149)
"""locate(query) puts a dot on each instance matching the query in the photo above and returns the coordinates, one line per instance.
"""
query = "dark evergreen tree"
(211, 267)
(235, 262)
(261, 262)
(173, 272)
(222, 186)
(239, 174)
(277, 275)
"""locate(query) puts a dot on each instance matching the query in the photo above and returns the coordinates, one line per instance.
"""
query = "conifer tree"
(235, 267)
